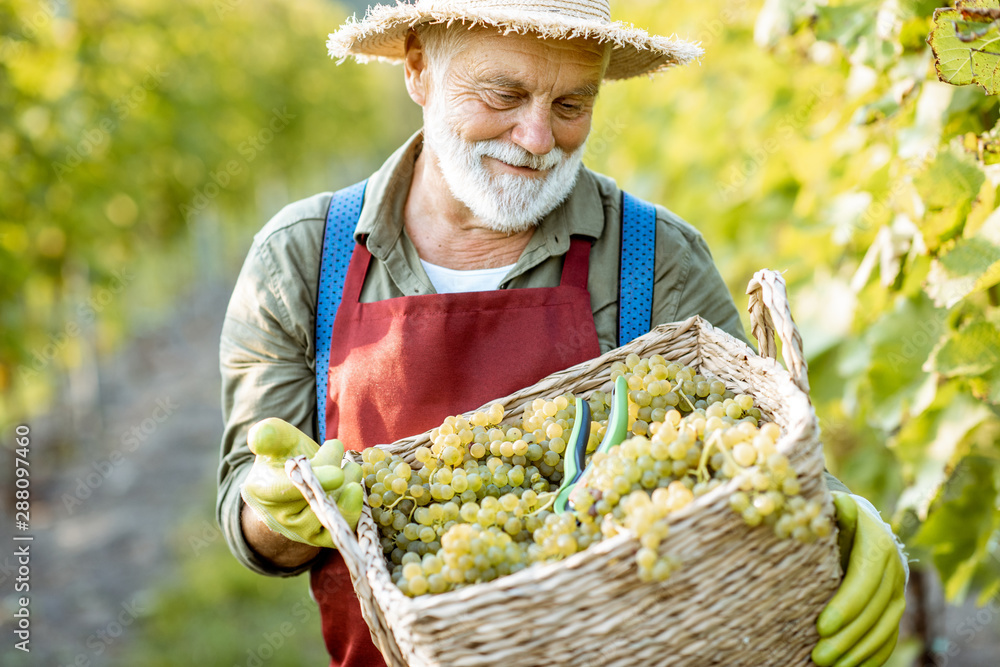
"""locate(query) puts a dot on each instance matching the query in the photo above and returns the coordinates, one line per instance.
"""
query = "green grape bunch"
(478, 503)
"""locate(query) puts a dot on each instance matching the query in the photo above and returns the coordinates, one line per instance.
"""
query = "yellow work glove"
(278, 502)
(860, 624)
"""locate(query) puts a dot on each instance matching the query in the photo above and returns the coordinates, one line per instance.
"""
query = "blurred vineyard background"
(144, 142)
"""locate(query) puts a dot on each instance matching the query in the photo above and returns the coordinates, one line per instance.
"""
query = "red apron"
(398, 367)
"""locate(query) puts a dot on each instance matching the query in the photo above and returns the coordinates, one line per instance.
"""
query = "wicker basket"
(740, 597)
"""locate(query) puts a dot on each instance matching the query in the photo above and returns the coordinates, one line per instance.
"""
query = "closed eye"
(571, 108)
(502, 98)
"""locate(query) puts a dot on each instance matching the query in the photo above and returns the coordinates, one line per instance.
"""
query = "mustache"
(517, 156)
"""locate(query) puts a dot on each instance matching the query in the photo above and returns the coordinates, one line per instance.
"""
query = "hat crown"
(381, 35)
(588, 10)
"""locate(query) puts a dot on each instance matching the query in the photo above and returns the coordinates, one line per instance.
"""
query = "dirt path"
(105, 508)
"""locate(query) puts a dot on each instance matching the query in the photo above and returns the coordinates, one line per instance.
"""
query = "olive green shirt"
(267, 350)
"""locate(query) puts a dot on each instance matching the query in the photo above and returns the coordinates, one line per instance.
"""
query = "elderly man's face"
(508, 122)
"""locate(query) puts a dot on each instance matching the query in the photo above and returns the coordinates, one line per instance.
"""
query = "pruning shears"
(576, 445)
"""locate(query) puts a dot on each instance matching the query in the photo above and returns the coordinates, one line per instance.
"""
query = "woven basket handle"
(301, 473)
(770, 316)
(305, 480)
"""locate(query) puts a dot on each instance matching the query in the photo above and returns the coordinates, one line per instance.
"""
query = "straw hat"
(382, 33)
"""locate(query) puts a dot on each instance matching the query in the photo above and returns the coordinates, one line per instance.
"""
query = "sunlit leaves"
(973, 353)
(971, 265)
(972, 350)
(931, 443)
(966, 44)
(947, 188)
(117, 118)
(923, 365)
(962, 525)
(846, 24)
(885, 363)
(855, 27)
(986, 387)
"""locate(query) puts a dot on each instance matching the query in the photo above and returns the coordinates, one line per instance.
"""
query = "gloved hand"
(275, 499)
(860, 624)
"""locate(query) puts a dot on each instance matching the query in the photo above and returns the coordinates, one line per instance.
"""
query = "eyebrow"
(587, 90)
(504, 81)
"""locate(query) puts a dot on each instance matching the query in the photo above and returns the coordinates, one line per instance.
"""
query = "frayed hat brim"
(381, 35)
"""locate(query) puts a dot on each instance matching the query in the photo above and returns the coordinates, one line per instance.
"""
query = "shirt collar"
(381, 220)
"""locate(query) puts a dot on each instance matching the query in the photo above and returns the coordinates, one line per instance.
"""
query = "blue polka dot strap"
(338, 245)
(635, 282)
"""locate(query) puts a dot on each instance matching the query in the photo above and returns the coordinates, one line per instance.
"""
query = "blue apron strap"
(338, 245)
(635, 282)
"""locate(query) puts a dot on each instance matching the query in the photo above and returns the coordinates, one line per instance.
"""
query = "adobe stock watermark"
(899, 188)
(711, 30)
(248, 149)
(875, 211)
(273, 640)
(224, 7)
(99, 135)
(915, 344)
(86, 312)
(99, 641)
(985, 617)
(130, 441)
(32, 23)
(207, 533)
(924, 336)
(785, 129)
(7, 569)
(604, 138)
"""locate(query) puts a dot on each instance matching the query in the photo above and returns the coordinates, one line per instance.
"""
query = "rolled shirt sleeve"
(267, 360)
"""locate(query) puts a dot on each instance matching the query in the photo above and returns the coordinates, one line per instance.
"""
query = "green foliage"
(136, 131)
(972, 350)
(815, 139)
(216, 612)
(964, 40)
(963, 556)
(947, 188)
(971, 265)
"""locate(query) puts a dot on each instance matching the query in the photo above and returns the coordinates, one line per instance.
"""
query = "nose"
(533, 131)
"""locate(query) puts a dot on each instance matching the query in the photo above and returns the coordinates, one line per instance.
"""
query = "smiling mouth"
(516, 169)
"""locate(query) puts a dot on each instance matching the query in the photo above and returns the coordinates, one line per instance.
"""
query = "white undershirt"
(450, 281)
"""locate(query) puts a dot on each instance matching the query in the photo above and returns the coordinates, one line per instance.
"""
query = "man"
(486, 257)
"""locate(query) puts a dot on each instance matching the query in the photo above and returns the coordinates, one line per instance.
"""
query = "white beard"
(507, 203)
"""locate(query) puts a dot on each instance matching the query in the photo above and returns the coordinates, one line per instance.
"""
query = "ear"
(415, 69)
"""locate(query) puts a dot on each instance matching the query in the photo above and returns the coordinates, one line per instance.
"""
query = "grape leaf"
(961, 524)
(855, 27)
(972, 265)
(948, 187)
(845, 24)
(972, 350)
(966, 45)
(887, 361)
(918, 8)
(951, 178)
(986, 387)
(932, 442)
